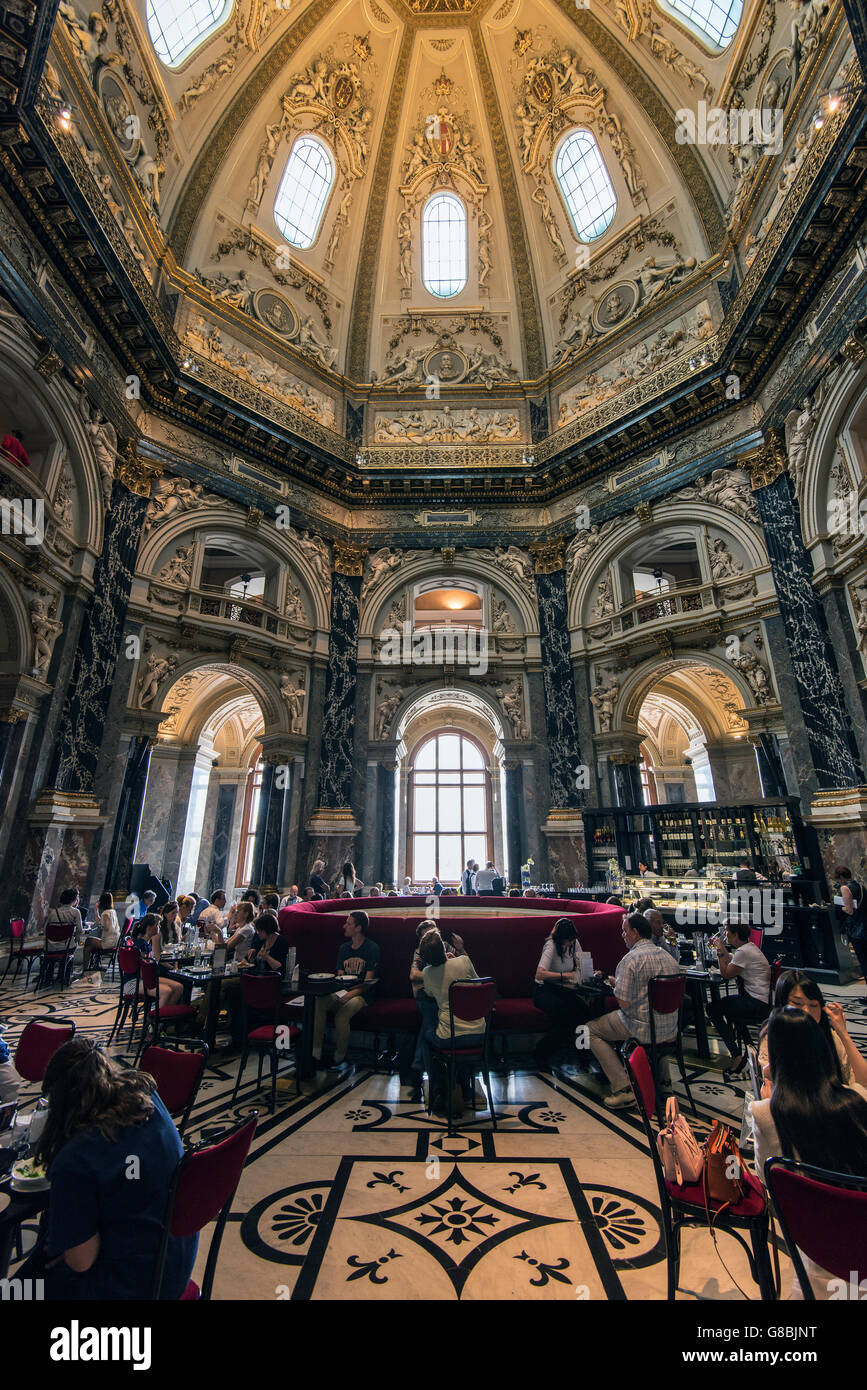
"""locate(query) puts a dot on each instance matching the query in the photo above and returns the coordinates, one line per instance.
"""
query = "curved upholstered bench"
(508, 948)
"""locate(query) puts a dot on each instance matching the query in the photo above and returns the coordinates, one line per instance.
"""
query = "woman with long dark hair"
(806, 1112)
(796, 988)
(106, 930)
(110, 1149)
(558, 971)
(170, 932)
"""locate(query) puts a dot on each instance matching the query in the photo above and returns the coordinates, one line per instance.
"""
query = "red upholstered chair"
(468, 1000)
(129, 961)
(260, 995)
(665, 996)
(58, 950)
(177, 1069)
(685, 1205)
(156, 1016)
(203, 1189)
(823, 1215)
(20, 951)
(38, 1044)
(757, 936)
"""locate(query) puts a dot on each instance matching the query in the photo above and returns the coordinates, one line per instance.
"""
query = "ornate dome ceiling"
(369, 238)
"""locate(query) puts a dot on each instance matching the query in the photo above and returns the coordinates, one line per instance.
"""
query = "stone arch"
(411, 570)
(649, 673)
(53, 409)
(842, 409)
(260, 684)
(16, 634)
(679, 516)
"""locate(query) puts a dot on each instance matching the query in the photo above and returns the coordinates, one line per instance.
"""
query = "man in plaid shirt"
(643, 960)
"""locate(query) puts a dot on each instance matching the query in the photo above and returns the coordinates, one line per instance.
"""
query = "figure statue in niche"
(386, 709)
(45, 631)
(511, 699)
(503, 624)
(104, 439)
(756, 676)
(294, 695)
(604, 698)
(404, 242)
(604, 605)
(722, 563)
(799, 440)
(528, 130)
(156, 670)
(485, 223)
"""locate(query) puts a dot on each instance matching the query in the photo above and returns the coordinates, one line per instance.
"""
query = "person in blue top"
(110, 1149)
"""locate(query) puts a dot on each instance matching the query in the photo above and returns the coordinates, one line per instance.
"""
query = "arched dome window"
(715, 21)
(450, 817)
(304, 191)
(444, 245)
(585, 185)
(178, 27)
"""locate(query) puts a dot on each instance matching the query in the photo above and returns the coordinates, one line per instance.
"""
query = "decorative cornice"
(372, 236)
(771, 460)
(529, 316)
(548, 556)
(348, 559)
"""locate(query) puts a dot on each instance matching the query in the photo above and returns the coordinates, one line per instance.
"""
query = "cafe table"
(203, 977)
(312, 989)
(21, 1207)
(698, 983)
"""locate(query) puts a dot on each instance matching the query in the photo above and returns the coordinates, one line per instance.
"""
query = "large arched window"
(716, 21)
(178, 27)
(585, 185)
(449, 808)
(304, 191)
(444, 245)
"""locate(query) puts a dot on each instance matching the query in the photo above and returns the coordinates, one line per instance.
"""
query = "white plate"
(320, 977)
(29, 1184)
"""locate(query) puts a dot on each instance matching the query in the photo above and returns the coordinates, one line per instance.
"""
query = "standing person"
(357, 956)
(103, 1231)
(316, 881)
(349, 880)
(740, 960)
(855, 911)
(468, 880)
(485, 879)
(641, 963)
(109, 930)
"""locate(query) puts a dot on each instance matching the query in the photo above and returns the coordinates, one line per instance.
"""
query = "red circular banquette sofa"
(507, 948)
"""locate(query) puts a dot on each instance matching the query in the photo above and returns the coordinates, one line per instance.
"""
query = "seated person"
(170, 932)
(186, 905)
(66, 914)
(239, 925)
(147, 940)
(530, 893)
(438, 974)
(291, 897)
(661, 934)
(798, 990)
(270, 902)
(807, 1113)
(559, 967)
(213, 914)
(103, 1232)
(106, 938)
(268, 952)
(428, 1007)
(641, 963)
(740, 960)
(357, 956)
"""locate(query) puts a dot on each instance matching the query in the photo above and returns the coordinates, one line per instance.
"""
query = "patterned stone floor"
(352, 1192)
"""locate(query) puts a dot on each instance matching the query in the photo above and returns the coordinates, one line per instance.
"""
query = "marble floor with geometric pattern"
(353, 1192)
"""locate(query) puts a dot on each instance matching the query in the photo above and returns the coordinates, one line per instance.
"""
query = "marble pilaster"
(515, 837)
(128, 814)
(564, 748)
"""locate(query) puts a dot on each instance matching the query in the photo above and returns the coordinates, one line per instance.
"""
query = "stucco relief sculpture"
(447, 426)
(177, 571)
(728, 488)
(756, 675)
(318, 555)
(511, 698)
(175, 495)
(798, 440)
(215, 344)
(513, 562)
(381, 563)
(581, 548)
(103, 437)
(294, 609)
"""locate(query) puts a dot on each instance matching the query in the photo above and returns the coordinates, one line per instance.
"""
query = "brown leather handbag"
(723, 1169)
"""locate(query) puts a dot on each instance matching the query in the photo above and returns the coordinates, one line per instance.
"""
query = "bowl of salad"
(28, 1175)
